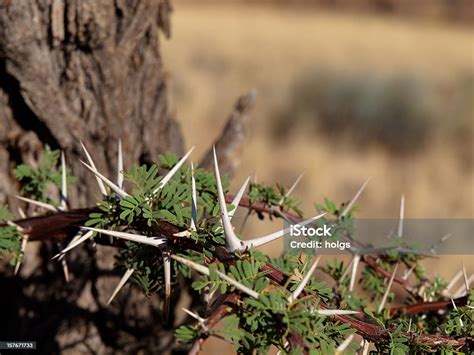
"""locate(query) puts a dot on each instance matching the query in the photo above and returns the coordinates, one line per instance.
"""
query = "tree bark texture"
(87, 70)
(91, 71)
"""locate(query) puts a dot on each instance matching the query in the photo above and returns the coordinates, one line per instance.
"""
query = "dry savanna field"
(218, 52)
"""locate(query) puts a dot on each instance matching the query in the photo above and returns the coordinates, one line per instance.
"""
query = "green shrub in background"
(398, 112)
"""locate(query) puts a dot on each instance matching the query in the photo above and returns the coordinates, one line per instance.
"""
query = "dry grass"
(220, 52)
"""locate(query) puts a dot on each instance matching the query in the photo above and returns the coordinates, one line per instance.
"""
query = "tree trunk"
(91, 71)
(83, 70)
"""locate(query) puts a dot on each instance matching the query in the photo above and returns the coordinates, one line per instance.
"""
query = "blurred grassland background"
(342, 95)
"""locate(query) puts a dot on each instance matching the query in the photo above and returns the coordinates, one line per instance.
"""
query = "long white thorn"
(167, 268)
(232, 241)
(273, 236)
(44, 205)
(453, 281)
(343, 346)
(78, 239)
(355, 264)
(193, 200)
(354, 199)
(462, 291)
(335, 312)
(173, 171)
(290, 190)
(121, 283)
(346, 271)
(21, 213)
(120, 165)
(387, 291)
(63, 197)
(102, 188)
(466, 280)
(109, 183)
(205, 270)
(202, 321)
(456, 309)
(402, 216)
(303, 282)
(153, 241)
(238, 197)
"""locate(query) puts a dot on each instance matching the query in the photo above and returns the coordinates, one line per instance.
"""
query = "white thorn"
(109, 183)
(343, 346)
(44, 205)
(454, 280)
(335, 312)
(120, 165)
(355, 264)
(63, 196)
(193, 200)
(273, 236)
(17, 268)
(65, 269)
(131, 237)
(78, 239)
(167, 269)
(238, 197)
(121, 283)
(232, 241)
(354, 199)
(466, 280)
(185, 233)
(24, 241)
(173, 171)
(408, 273)
(409, 325)
(365, 350)
(456, 309)
(387, 291)
(402, 216)
(61, 255)
(461, 291)
(102, 188)
(346, 271)
(303, 282)
(205, 270)
(202, 321)
(18, 227)
(21, 213)
(194, 315)
(290, 190)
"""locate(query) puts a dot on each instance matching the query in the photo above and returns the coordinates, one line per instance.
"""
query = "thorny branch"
(61, 225)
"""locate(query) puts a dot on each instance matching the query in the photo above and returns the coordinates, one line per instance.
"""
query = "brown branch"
(231, 142)
(260, 207)
(61, 225)
(424, 307)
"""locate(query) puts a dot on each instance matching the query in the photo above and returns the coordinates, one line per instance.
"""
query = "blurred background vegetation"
(344, 92)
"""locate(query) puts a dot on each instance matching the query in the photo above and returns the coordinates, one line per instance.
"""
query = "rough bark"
(92, 71)
(83, 70)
